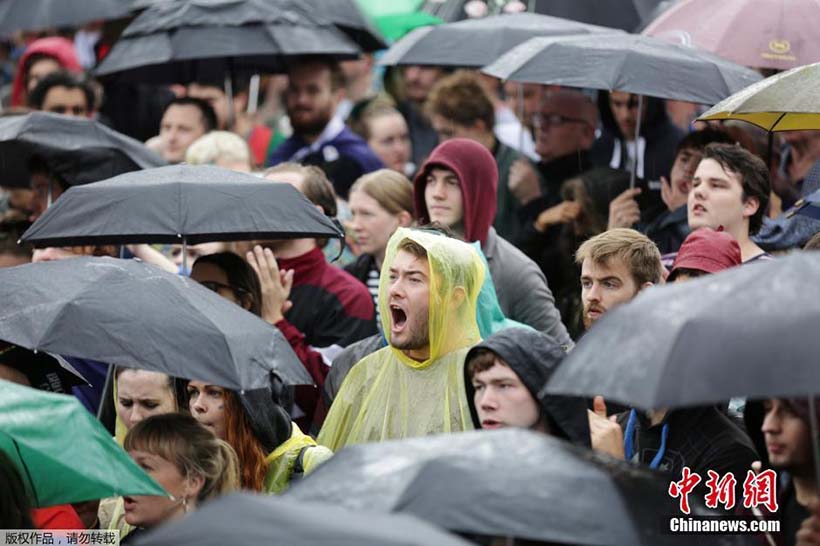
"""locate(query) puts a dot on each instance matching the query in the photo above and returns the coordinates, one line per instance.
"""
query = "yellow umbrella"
(788, 101)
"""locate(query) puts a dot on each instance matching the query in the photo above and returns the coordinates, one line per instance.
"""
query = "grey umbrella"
(197, 40)
(477, 42)
(246, 519)
(132, 314)
(747, 331)
(188, 204)
(624, 62)
(79, 150)
(509, 483)
(349, 18)
(16, 15)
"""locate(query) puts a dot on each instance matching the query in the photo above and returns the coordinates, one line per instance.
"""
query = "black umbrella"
(79, 150)
(626, 15)
(43, 371)
(748, 331)
(132, 314)
(278, 521)
(349, 18)
(510, 483)
(16, 15)
(477, 42)
(179, 204)
(191, 40)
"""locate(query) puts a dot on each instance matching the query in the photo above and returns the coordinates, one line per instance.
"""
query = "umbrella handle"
(637, 140)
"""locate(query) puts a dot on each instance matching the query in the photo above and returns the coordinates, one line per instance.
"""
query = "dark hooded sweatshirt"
(534, 357)
(522, 289)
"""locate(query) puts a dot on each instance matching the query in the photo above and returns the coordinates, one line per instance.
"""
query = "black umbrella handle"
(342, 241)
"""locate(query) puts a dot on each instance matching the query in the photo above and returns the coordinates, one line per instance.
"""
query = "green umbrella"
(394, 26)
(64, 455)
(376, 8)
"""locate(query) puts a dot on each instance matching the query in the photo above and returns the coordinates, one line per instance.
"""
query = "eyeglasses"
(550, 120)
(214, 286)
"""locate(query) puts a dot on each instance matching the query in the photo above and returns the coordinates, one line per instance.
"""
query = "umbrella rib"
(28, 474)
(774, 125)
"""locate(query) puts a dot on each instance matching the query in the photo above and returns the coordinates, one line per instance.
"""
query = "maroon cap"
(708, 250)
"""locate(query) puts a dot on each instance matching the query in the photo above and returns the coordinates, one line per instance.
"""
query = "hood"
(270, 422)
(477, 174)
(453, 264)
(753, 415)
(60, 49)
(654, 119)
(534, 357)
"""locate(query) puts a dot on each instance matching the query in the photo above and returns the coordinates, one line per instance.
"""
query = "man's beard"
(589, 321)
(312, 127)
(419, 337)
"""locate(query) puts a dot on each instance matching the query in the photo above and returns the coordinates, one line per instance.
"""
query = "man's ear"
(458, 296)
(647, 284)
(750, 206)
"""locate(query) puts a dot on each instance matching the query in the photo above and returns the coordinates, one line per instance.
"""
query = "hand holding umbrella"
(275, 284)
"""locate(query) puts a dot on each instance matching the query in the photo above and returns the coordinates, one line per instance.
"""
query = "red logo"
(685, 486)
(758, 489)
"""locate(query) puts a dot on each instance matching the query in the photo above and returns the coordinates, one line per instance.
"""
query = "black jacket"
(534, 356)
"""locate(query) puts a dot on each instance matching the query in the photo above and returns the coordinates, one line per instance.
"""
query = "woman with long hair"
(272, 450)
(188, 462)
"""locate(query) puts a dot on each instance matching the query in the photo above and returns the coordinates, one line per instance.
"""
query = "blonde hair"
(193, 449)
(216, 145)
(635, 250)
(391, 189)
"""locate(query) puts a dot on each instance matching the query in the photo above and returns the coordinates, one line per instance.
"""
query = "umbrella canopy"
(511, 482)
(350, 19)
(16, 15)
(192, 40)
(626, 15)
(79, 150)
(132, 314)
(477, 42)
(744, 332)
(784, 102)
(624, 62)
(397, 25)
(64, 455)
(777, 34)
(278, 521)
(44, 371)
(190, 203)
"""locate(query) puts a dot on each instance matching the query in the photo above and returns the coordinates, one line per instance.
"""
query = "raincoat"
(388, 395)
(295, 457)
(60, 49)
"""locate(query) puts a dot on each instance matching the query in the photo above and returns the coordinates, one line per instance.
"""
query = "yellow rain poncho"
(388, 395)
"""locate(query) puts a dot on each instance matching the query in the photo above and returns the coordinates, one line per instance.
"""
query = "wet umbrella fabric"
(79, 150)
(511, 482)
(278, 521)
(16, 15)
(350, 19)
(777, 34)
(477, 42)
(131, 314)
(744, 332)
(626, 15)
(194, 203)
(624, 62)
(64, 455)
(44, 371)
(784, 102)
(199, 40)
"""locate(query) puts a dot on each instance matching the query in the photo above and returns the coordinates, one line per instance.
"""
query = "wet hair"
(753, 173)
(481, 361)
(390, 189)
(241, 277)
(193, 449)
(174, 385)
(461, 99)
(15, 507)
(337, 76)
(61, 78)
(698, 140)
(412, 247)
(640, 255)
(207, 111)
(315, 184)
(360, 119)
(249, 450)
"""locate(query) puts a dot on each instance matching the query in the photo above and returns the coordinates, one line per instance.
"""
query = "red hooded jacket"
(477, 174)
(60, 49)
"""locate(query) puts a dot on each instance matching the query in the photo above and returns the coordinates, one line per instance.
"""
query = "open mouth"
(399, 317)
(491, 423)
(698, 208)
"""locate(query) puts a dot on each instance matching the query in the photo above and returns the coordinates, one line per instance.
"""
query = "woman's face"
(207, 405)
(141, 394)
(372, 225)
(213, 278)
(390, 140)
(144, 511)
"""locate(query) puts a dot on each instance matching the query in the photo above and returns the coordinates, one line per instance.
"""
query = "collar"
(307, 262)
(332, 130)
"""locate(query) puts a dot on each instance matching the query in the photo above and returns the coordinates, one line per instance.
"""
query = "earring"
(185, 504)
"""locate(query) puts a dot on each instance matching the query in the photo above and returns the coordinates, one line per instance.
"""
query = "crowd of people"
(487, 229)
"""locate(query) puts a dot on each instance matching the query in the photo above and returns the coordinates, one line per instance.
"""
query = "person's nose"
(593, 293)
(771, 423)
(488, 400)
(198, 406)
(438, 191)
(137, 414)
